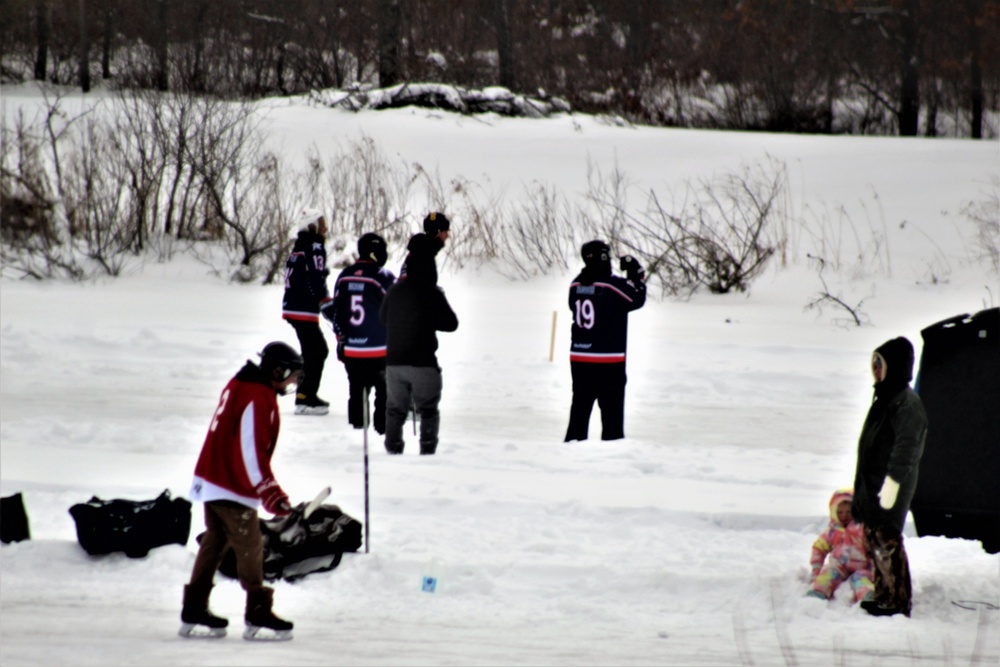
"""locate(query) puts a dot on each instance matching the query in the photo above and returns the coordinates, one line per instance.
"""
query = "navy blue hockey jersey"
(357, 298)
(305, 279)
(600, 317)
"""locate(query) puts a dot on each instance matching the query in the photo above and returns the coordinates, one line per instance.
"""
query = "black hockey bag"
(13, 520)
(295, 546)
(132, 526)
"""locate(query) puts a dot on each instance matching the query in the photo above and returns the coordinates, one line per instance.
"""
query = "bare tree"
(389, 33)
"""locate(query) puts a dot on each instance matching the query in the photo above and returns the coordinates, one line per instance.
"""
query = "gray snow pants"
(419, 386)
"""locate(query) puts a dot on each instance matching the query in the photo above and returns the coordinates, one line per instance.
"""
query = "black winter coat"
(891, 443)
(413, 311)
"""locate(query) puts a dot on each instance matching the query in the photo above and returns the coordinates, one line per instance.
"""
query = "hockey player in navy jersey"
(600, 303)
(305, 295)
(357, 298)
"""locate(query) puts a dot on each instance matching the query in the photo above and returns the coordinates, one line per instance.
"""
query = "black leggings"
(314, 354)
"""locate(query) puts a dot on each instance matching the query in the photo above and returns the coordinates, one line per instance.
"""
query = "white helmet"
(306, 218)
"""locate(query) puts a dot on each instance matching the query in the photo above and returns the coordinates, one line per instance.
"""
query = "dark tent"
(958, 491)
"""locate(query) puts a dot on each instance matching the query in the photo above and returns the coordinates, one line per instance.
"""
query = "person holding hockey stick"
(232, 478)
(357, 298)
(889, 450)
(600, 303)
(305, 294)
(413, 311)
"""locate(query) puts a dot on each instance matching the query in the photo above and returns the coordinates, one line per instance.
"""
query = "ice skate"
(197, 622)
(310, 405)
(261, 623)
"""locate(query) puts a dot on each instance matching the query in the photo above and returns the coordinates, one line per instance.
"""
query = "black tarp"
(958, 491)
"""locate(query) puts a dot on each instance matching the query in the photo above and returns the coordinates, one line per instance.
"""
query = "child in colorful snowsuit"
(842, 547)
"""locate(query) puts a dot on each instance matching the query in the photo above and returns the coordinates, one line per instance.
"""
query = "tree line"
(907, 67)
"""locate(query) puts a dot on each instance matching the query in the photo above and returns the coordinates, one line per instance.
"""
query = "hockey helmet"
(372, 246)
(596, 254)
(279, 361)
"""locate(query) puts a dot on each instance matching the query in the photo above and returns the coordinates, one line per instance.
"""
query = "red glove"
(274, 499)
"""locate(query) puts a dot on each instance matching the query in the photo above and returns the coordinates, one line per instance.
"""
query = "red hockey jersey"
(237, 452)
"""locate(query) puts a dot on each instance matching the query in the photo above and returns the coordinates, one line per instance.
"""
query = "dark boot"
(195, 612)
(259, 614)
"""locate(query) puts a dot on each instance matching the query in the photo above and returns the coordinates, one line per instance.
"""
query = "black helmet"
(596, 254)
(372, 246)
(435, 223)
(279, 360)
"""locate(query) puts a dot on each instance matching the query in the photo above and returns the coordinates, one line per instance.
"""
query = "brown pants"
(233, 525)
(892, 569)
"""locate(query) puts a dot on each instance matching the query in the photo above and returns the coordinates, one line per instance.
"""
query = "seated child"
(843, 541)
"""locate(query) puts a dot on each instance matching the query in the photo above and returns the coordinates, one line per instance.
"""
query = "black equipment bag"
(958, 490)
(13, 520)
(295, 546)
(132, 526)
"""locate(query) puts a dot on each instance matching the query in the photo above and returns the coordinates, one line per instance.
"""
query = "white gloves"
(887, 496)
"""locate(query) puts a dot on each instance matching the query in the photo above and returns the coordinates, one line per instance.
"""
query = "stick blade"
(316, 502)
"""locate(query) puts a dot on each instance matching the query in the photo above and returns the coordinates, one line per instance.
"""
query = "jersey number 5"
(585, 313)
(357, 309)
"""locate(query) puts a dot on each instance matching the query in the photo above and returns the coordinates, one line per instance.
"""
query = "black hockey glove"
(632, 268)
(340, 349)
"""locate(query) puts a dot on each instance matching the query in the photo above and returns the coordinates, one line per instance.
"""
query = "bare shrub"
(827, 298)
(985, 215)
(719, 233)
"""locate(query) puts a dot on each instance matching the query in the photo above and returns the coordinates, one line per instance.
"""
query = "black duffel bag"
(295, 546)
(132, 526)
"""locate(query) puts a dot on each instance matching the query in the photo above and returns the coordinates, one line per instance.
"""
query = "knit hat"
(435, 223)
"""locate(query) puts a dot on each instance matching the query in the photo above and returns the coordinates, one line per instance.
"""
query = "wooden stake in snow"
(552, 338)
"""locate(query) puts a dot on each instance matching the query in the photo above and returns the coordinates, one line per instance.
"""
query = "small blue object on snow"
(429, 585)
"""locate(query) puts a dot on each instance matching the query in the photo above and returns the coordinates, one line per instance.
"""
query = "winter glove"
(274, 499)
(887, 496)
(633, 270)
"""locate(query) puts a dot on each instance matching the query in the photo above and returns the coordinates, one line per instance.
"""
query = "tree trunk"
(389, 31)
(505, 44)
(84, 48)
(162, 80)
(110, 28)
(909, 93)
(42, 32)
(977, 96)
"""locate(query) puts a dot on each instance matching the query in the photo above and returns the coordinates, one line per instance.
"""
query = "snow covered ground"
(685, 544)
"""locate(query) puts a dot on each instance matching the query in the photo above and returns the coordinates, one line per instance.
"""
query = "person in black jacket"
(600, 303)
(354, 312)
(889, 451)
(305, 295)
(413, 311)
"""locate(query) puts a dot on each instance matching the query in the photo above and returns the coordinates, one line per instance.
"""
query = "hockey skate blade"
(256, 633)
(195, 631)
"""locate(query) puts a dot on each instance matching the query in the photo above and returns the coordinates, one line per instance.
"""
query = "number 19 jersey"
(600, 317)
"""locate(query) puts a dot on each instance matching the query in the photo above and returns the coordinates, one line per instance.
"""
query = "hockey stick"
(316, 502)
(413, 406)
(365, 420)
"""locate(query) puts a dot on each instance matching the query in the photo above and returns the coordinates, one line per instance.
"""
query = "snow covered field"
(685, 544)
